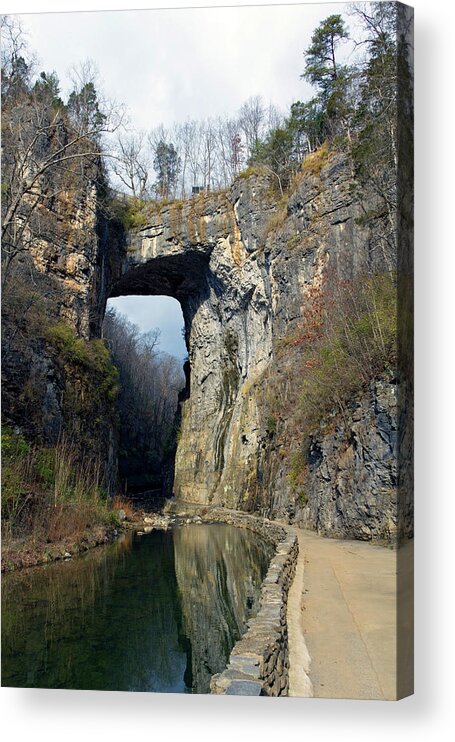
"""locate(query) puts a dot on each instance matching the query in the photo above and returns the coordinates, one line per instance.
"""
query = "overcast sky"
(170, 64)
(167, 65)
(148, 312)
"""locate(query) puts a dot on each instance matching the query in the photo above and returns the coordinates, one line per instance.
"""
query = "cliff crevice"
(244, 265)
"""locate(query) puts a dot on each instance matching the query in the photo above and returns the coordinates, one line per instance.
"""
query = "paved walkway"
(348, 617)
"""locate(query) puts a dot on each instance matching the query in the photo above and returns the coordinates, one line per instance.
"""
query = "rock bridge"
(242, 266)
(206, 253)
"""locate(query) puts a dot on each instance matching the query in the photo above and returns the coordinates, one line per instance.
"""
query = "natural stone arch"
(195, 253)
(184, 277)
(181, 275)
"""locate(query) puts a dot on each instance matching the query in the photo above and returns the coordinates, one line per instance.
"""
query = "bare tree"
(158, 134)
(17, 60)
(184, 137)
(132, 164)
(231, 148)
(48, 150)
(194, 152)
(252, 117)
(274, 118)
(208, 152)
(91, 112)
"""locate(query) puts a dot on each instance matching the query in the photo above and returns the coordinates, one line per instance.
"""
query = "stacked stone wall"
(259, 661)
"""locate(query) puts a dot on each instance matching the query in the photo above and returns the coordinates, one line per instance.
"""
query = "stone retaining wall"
(259, 661)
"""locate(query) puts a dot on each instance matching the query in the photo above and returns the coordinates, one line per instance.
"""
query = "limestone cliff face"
(243, 267)
(79, 252)
(197, 253)
(56, 293)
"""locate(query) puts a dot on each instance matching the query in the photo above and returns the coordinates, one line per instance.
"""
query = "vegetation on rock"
(49, 493)
(347, 338)
(91, 356)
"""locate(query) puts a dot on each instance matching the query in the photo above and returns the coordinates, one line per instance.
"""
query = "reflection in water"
(219, 572)
(153, 613)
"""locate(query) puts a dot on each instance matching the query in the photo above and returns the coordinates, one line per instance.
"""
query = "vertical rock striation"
(243, 267)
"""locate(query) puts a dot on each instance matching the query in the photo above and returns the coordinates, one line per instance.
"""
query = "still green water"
(158, 612)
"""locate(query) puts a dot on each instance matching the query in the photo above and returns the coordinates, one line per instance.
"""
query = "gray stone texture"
(259, 661)
(242, 265)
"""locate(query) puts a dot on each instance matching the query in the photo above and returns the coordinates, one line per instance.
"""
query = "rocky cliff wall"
(243, 265)
(56, 375)
(196, 253)
(351, 487)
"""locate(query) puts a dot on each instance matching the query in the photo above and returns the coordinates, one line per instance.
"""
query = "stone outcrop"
(195, 253)
(242, 267)
(55, 294)
(352, 477)
(242, 264)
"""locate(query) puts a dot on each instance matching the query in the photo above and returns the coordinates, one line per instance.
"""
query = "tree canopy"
(321, 66)
(167, 165)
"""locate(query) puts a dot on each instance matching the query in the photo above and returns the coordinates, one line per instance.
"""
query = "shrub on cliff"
(347, 337)
(91, 355)
(131, 212)
(356, 327)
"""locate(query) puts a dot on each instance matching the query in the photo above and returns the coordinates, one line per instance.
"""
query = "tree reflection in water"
(158, 612)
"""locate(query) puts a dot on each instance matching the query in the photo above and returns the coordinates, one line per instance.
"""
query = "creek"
(154, 612)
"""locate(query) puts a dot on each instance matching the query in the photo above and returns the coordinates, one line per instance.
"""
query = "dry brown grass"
(123, 503)
(49, 494)
(315, 161)
(278, 218)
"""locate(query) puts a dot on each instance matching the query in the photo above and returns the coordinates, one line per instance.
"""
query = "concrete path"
(348, 617)
(299, 658)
